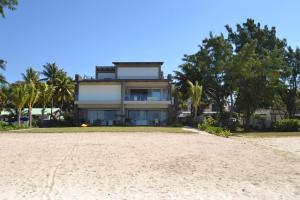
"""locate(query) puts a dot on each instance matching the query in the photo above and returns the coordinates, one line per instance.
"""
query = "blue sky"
(78, 35)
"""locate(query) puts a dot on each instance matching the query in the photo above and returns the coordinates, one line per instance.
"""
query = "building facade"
(131, 93)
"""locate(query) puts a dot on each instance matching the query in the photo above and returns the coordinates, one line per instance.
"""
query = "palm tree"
(31, 76)
(46, 92)
(64, 90)
(19, 97)
(195, 93)
(2, 67)
(51, 73)
(33, 95)
(4, 97)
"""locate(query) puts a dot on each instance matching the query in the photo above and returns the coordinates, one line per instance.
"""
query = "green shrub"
(7, 127)
(209, 125)
(287, 125)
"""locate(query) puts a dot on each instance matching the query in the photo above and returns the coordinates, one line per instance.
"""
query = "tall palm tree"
(19, 97)
(33, 95)
(64, 90)
(31, 76)
(195, 93)
(2, 67)
(46, 92)
(51, 73)
(4, 97)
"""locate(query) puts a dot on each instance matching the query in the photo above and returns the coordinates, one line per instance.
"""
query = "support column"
(122, 102)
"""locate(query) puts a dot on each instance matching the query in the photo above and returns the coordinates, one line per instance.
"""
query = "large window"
(94, 115)
(152, 94)
(150, 115)
(106, 75)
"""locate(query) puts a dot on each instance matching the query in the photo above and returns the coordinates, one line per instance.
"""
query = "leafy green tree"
(4, 97)
(290, 80)
(256, 79)
(64, 91)
(33, 95)
(245, 33)
(51, 73)
(9, 4)
(2, 67)
(209, 67)
(19, 96)
(46, 92)
(257, 66)
(31, 76)
(195, 93)
(179, 102)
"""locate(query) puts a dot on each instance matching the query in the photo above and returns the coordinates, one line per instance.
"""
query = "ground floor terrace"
(142, 165)
(114, 116)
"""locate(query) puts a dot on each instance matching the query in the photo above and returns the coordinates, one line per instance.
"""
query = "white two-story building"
(133, 93)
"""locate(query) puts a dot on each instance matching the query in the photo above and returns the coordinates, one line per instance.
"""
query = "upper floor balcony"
(146, 98)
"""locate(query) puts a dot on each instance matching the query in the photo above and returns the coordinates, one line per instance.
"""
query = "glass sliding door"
(147, 117)
(104, 117)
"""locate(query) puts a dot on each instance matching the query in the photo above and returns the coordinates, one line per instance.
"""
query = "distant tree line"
(248, 68)
(54, 89)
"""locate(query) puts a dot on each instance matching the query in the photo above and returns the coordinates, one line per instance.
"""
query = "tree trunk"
(30, 115)
(247, 120)
(43, 115)
(52, 103)
(231, 106)
(195, 116)
(61, 108)
(19, 117)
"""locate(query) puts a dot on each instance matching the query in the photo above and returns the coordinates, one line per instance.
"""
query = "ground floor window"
(147, 117)
(103, 117)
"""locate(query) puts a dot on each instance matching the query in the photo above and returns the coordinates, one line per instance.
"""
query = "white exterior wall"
(105, 93)
(138, 73)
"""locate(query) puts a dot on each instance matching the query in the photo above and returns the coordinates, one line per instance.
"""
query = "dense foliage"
(287, 125)
(248, 69)
(55, 89)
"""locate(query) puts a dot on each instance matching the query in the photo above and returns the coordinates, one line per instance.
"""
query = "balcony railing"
(145, 98)
(133, 78)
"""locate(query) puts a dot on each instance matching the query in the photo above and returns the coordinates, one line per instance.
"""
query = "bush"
(286, 125)
(209, 125)
(7, 127)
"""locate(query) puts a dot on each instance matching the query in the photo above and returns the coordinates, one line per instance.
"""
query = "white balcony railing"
(145, 98)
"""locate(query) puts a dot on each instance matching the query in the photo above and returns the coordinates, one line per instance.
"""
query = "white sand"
(93, 166)
(285, 144)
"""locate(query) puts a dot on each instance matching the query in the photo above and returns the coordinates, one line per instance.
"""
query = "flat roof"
(124, 80)
(145, 63)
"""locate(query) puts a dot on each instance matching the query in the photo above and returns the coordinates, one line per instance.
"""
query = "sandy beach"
(192, 166)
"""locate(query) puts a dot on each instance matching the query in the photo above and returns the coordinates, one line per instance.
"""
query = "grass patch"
(267, 134)
(104, 129)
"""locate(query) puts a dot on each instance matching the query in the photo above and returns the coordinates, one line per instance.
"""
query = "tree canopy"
(7, 4)
(248, 69)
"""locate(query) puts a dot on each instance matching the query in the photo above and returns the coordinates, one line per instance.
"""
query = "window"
(102, 115)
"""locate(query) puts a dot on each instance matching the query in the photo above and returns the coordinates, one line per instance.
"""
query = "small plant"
(209, 125)
(287, 125)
